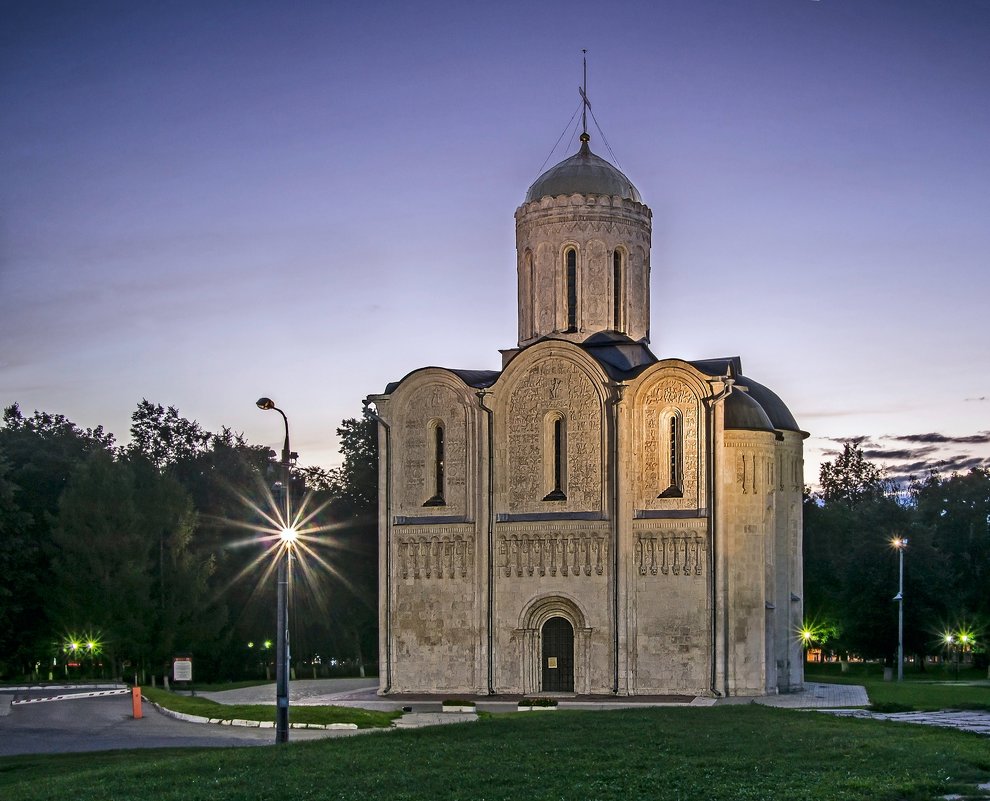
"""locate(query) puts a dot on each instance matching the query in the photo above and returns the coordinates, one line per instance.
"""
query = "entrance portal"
(558, 656)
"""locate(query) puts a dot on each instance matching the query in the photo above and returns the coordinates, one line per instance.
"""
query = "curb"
(250, 724)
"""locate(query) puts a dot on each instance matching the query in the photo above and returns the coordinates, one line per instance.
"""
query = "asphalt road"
(104, 724)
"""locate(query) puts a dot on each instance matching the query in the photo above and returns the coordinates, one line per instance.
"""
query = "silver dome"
(583, 173)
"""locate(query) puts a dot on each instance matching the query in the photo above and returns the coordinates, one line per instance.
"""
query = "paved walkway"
(977, 722)
(819, 696)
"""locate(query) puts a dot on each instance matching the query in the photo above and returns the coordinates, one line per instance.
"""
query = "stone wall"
(595, 226)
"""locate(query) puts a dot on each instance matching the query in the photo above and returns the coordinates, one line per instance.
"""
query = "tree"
(187, 616)
(850, 569)
(351, 492)
(853, 480)
(956, 510)
(101, 565)
(16, 561)
(164, 437)
(42, 452)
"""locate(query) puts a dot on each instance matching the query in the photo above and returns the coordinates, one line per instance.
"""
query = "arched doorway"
(558, 656)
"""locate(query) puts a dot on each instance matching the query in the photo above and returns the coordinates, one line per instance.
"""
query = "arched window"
(570, 259)
(674, 442)
(617, 290)
(437, 466)
(555, 458)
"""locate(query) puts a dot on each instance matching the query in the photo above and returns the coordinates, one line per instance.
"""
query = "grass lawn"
(731, 753)
(195, 705)
(922, 691)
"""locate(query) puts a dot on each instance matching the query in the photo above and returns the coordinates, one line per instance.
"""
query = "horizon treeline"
(117, 558)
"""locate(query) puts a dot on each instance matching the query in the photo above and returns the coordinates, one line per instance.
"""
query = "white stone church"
(590, 519)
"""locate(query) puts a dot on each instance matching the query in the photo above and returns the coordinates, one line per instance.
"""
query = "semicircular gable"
(425, 401)
(669, 432)
(548, 382)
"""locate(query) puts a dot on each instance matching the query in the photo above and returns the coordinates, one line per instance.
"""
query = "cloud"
(900, 455)
(861, 439)
(953, 464)
(970, 439)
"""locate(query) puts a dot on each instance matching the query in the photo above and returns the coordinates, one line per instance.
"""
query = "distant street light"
(287, 537)
(900, 543)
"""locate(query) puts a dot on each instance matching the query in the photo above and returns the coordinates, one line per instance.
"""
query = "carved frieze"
(434, 556)
(670, 553)
(551, 554)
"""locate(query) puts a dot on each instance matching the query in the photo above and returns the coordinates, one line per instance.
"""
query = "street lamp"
(287, 537)
(900, 543)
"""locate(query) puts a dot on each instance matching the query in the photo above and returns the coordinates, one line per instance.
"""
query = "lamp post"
(286, 537)
(900, 543)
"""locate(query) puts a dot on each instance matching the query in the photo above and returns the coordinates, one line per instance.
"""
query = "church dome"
(742, 413)
(583, 173)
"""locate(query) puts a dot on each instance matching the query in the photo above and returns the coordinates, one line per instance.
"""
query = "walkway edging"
(251, 724)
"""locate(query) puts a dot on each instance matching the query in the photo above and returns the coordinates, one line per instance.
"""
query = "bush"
(538, 701)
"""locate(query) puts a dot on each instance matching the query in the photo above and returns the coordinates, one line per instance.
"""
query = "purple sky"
(203, 203)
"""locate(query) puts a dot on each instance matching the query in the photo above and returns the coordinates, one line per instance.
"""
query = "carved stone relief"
(439, 402)
(596, 293)
(554, 385)
(667, 396)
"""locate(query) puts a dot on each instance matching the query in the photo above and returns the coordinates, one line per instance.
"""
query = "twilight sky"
(206, 202)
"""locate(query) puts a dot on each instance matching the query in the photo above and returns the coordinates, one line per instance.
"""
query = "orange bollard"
(136, 702)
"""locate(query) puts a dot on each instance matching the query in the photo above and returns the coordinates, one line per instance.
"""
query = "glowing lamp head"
(899, 542)
(288, 535)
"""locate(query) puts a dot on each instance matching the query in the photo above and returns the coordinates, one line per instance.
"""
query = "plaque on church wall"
(551, 661)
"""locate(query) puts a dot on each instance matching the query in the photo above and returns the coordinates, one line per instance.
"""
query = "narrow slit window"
(617, 290)
(558, 454)
(571, 257)
(675, 458)
(438, 468)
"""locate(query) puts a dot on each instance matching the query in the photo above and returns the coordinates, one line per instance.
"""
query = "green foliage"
(101, 558)
(956, 510)
(164, 437)
(731, 753)
(852, 480)
(41, 453)
(851, 571)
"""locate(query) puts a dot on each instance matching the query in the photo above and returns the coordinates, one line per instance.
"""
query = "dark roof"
(774, 407)
(754, 408)
(479, 379)
(584, 173)
(743, 413)
(621, 357)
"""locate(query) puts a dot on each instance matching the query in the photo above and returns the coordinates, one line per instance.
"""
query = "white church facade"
(589, 519)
